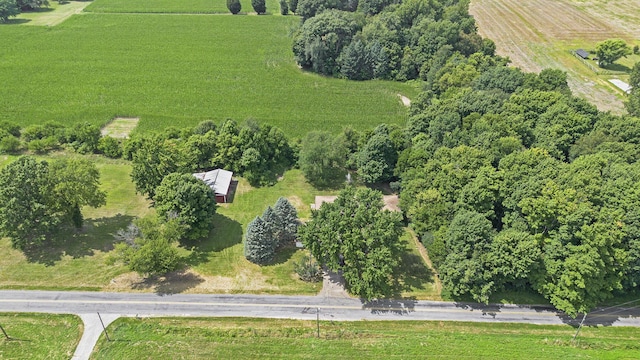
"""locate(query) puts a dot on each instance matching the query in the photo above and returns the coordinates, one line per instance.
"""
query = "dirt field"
(537, 34)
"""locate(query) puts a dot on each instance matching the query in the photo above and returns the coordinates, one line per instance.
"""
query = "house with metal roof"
(219, 180)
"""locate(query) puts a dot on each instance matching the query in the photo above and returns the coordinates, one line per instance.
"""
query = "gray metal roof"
(583, 54)
(219, 180)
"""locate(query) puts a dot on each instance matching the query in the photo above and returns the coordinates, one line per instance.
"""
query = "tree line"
(381, 39)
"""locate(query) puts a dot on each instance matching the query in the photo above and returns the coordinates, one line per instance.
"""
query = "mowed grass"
(177, 70)
(238, 338)
(174, 6)
(39, 336)
(77, 260)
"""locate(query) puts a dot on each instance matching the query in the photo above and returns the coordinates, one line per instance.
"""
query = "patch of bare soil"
(120, 127)
(391, 202)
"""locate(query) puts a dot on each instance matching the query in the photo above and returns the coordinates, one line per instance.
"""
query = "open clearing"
(177, 71)
(120, 128)
(215, 265)
(234, 338)
(539, 34)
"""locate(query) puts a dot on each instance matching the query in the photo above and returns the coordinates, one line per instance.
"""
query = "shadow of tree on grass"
(96, 234)
(226, 233)
(172, 283)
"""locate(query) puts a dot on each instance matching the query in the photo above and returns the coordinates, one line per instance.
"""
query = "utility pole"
(104, 328)
(5, 333)
(579, 327)
(318, 320)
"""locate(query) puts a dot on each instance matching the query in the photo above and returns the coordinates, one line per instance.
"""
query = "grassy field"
(174, 6)
(39, 336)
(216, 265)
(234, 338)
(540, 34)
(177, 70)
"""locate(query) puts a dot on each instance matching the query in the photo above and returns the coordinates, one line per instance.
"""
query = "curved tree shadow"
(15, 22)
(171, 283)
(95, 234)
(226, 233)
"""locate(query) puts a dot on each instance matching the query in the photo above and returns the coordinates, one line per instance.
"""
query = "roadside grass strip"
(39, 336)
(246, 338)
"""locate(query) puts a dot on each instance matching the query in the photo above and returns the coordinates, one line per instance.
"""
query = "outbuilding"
(219, 180)
(583, 54)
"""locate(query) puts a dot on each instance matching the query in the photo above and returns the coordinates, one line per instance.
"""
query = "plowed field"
(537, 34)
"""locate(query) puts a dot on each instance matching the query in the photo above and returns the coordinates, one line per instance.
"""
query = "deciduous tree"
(8, 8)
(354, 235)
(609, 51)
(259, 6)
(189, 200)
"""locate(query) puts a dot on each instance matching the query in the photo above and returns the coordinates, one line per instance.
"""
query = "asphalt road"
(297, 307)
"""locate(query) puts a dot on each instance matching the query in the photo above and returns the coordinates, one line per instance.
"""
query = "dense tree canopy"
(322, 158)
(354, 235)
(400, 41)
(513, 184)
(188, 200)
(8, 8)
(37, 197)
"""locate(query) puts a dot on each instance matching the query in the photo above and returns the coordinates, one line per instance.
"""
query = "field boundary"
(596, 70)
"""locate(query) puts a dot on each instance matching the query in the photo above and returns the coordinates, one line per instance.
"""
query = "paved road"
(327, 307)
(298, 307)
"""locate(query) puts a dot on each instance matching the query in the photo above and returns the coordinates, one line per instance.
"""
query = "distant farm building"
(621, 85)
(583, 54)
(219, 180)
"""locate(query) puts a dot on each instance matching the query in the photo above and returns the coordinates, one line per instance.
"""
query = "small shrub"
(308, 269)
(9, 144)
(42, 146)
(636, 49)
(11, 128)
(110, 147)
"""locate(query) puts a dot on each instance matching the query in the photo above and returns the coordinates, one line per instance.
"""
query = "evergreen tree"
(293, 5)
(274, 225)
(288, 219)
(284, 7)
(234, 6)
(258, 242)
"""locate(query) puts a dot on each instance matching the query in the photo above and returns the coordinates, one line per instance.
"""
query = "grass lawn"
(238, 338)
(39, 336)
(216, 265)
(173, 6)
(177, 70)
(77, 261)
